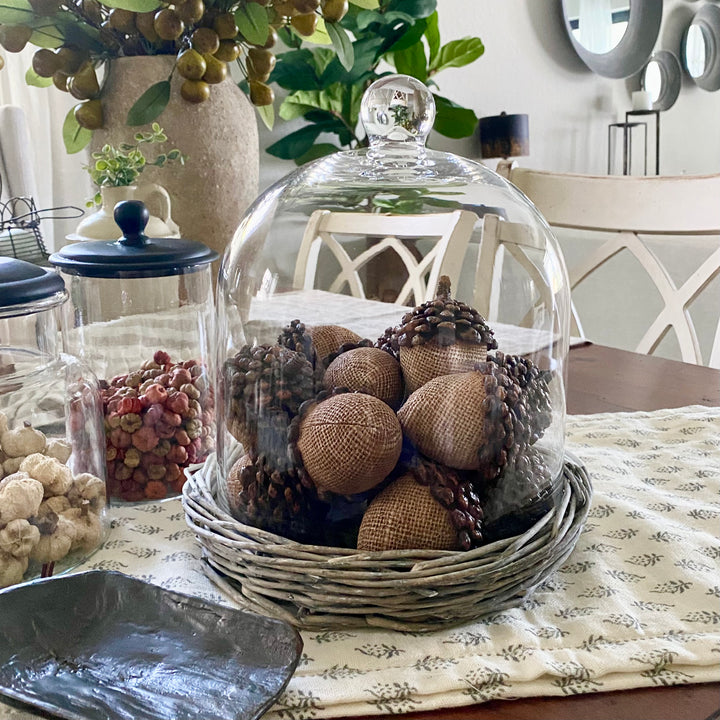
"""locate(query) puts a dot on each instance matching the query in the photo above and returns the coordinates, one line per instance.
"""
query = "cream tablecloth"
(637, 604)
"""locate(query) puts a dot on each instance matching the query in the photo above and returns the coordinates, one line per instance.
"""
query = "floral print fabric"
(636, 604)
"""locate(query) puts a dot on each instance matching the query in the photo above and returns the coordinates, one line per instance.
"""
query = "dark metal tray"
(102, 645)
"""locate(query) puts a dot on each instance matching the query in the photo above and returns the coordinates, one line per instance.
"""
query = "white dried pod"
(24, 440)
(12, 569)
(20, 498)
(18, 538)
(56, 546)
(57, 504)
(3, 423)
(58, 449)
(86, 487)
(88, 530)
(12, 464)
(55, 477)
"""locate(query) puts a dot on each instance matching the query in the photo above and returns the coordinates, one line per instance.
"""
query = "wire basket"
(317, 587)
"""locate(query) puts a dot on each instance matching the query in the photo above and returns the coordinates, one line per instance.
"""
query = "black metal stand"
(626, 128)
(656, 113)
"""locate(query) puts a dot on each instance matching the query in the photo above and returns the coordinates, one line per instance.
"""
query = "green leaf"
(15, 12)
(432, 35)
(342, 44)
(296, 143)
(150, 104)
(321, 35)
(367, 4)
(317, 151)
(458, 53)
(252, 21)
(303, 101)
(412, 61)
(295, 70)
(32, 78)
(415, 8)
(74, 136)
(47, 35)
(267, 115)
(134, 5)
(452, 120)
(414, 34)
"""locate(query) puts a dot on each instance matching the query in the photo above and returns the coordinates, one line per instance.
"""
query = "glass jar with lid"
(52, 455)
(141, 314)
(393, 327)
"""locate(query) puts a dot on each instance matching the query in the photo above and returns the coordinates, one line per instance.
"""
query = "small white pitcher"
(101, 225)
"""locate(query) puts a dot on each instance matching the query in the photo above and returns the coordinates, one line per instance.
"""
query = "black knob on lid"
(132, 216)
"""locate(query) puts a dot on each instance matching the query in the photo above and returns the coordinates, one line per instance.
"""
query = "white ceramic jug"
(101, 225)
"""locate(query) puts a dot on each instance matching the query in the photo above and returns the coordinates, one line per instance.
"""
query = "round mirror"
(700, 48)
(614, 38)
(661, 77)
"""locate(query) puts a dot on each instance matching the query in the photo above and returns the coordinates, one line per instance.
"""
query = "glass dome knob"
(397, 108)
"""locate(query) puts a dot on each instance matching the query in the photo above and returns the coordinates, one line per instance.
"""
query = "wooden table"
(602, 379)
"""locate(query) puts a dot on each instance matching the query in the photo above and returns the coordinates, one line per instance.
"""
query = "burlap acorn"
(405, 516)
(349, 443)
(464, 420)
(327, 339)
(367, 370)
(438, 337)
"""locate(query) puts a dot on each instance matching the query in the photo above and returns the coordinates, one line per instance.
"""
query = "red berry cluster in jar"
(158, 420)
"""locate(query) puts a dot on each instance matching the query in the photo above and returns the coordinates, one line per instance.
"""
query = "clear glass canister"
(393, 327)
(52, 454)
(141, 314)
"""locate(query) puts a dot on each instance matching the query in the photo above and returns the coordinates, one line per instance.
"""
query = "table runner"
(637, 603)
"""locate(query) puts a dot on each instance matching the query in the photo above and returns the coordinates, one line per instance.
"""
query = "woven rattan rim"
(317, 587)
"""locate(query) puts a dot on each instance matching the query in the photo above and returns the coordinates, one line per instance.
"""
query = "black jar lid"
(22, 282)
(134, 254)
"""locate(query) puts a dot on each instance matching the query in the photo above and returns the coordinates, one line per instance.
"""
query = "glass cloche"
(52, 458)
(393, 331)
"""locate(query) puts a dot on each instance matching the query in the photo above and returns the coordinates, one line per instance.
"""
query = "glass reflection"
(598, 25)
(652, 80)
(696, 51)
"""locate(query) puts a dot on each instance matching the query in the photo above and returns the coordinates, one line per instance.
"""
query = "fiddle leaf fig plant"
(325, 86)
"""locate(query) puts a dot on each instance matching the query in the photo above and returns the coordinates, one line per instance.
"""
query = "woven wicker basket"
(316, 587)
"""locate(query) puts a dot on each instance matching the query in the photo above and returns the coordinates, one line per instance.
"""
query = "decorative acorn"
(466, 420)
(327, 339)
(348, 443)
(429, 507)
(265, 386)
(439, 337)
(367, 370)
(283, 502)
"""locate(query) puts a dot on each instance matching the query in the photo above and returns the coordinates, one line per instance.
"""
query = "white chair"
(628, 213)
(449, 232)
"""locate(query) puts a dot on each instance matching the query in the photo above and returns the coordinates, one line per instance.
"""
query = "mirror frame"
(635, 47)
(707, 18)
(671, 73)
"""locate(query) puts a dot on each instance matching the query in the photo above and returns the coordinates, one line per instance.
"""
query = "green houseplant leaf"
(432, 35)
(458, 53)
(412, 61)
(134, 5)
(342, 44)
(75, 137)
(252, 21)
(150, 104)
(15, 12)
(453, 121)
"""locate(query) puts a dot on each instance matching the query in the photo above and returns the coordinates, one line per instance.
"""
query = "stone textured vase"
(219, 138)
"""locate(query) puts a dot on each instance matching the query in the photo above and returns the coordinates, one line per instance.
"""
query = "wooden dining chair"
(629, 214)
(395, 236)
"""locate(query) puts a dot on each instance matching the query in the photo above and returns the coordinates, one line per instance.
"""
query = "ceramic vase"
(219, 138)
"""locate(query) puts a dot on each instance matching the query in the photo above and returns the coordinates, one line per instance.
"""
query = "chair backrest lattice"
(449, 232)
(628, 212)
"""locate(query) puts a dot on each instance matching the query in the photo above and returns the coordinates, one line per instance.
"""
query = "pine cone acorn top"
(445, 321)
